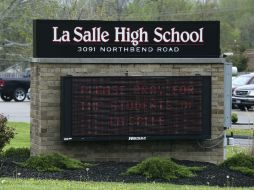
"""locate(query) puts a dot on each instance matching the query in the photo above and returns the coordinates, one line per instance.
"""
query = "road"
(244, 116)
(16, 111)
(20, 111)
(243, 142)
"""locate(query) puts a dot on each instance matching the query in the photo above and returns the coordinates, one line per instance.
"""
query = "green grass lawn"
(232, 150)
(242, 132)
(31, 184)
(22, 136)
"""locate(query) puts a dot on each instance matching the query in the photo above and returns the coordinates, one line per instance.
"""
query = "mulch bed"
(212, 175)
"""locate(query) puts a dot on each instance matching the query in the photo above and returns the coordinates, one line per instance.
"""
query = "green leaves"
(240, 163)
(236, 17)
(52, 163)
(6, 132)
(162, 168)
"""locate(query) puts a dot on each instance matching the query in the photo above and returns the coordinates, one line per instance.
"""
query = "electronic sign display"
(135, 108)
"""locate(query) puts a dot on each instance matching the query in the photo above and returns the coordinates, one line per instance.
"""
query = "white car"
(243, 97)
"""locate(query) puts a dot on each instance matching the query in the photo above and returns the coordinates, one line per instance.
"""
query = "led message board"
(136, 39)
(135, 108)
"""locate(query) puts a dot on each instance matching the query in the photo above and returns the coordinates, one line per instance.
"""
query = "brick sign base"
(46, 108)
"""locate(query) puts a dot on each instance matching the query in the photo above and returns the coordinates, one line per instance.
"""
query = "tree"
(239, 59)
(158, 10)
(246, 26)
(236, 18)
(16, 28)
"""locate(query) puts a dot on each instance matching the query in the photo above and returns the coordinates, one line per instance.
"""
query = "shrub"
(156, 167)
(240, 162)
(6, 132)
(234, 118)
(52, 163)
(17, 153)
(244, 170)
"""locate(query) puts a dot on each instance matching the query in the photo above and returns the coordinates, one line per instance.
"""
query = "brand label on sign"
(137, 138)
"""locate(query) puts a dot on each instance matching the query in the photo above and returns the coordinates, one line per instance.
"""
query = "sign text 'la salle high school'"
(124, 34)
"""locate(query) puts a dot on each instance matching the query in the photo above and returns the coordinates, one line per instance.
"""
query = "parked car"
(27, 73)
(14, 88)
(242, 80)
(243, 97)
(28, 95)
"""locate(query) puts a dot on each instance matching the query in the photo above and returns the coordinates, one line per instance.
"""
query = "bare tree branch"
(9, 43)
(9, 9)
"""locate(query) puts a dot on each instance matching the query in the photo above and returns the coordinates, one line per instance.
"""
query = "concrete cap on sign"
(130, 60)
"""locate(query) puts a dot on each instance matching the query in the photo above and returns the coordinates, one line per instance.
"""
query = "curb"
(242, 124)
(241, 137)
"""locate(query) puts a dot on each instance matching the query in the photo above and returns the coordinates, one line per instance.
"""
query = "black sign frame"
(44, 47)
(66, 116)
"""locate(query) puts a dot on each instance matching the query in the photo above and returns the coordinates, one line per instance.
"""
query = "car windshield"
(241, 80)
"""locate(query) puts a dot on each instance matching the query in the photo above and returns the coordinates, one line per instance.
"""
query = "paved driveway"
(16, 111)
(20, 111)
(243, 142)
(245, 116)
